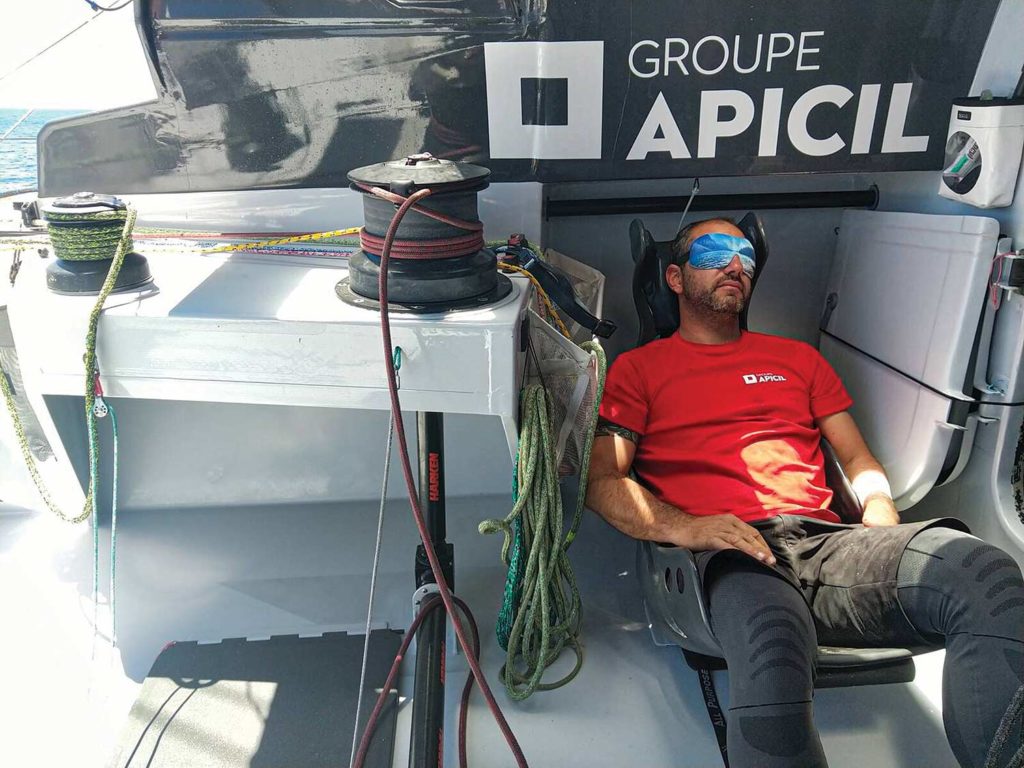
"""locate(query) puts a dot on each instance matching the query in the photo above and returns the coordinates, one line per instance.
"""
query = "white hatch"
(906, 296)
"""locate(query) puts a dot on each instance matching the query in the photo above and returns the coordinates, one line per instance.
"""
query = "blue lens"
(717, 249)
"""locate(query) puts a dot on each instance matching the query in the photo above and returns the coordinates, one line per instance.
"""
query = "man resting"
(723, 427)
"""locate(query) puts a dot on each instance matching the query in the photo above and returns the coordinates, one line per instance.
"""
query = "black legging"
(955, 586)
(950, 585)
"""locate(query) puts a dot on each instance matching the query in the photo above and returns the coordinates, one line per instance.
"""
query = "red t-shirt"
(728, 428)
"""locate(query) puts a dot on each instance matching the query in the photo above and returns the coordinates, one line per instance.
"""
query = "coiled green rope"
(541, 610)
(88, 237)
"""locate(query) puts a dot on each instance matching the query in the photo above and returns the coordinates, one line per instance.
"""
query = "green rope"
(91, 371)
(541, 611)
(26, 453)
(91, 411)
(88, 237)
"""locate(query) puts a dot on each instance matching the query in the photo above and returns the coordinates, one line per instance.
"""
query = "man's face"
(723, 290)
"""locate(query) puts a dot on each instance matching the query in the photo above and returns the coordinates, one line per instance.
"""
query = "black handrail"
(757, 201)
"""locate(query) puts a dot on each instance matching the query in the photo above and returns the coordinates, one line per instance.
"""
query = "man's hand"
(700, 532)
(879, 511)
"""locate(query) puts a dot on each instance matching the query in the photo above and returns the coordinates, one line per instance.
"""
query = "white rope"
(373, 586)
(18, 122)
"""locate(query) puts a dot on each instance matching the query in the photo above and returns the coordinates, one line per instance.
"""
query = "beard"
(708, 300)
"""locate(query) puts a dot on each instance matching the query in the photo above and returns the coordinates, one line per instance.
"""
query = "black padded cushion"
(656, 306)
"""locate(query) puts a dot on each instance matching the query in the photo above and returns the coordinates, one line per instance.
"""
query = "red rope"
(435, 566)
(995, 271)
(371, 723)
(423, 249)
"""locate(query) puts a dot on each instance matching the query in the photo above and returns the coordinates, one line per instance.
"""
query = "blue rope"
(512, 595)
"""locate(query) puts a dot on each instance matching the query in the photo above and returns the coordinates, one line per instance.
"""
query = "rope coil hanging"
(95, 406)
(541, 611)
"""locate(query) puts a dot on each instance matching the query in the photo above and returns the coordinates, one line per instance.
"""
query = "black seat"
(673, 596)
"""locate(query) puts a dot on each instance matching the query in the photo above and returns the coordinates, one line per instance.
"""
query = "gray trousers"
(948, 587)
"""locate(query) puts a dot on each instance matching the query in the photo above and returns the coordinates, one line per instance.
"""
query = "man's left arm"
(866, 475)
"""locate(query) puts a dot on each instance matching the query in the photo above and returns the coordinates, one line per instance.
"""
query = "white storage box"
(983, 151)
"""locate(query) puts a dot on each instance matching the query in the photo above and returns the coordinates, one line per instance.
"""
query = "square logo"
(749, 378)
(544, 99)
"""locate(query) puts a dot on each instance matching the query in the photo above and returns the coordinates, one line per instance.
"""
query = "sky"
(101, 66)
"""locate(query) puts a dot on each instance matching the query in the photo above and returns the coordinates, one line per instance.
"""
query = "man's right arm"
(635, 511)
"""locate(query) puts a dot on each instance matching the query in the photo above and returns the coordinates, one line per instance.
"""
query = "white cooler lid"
(910, 289)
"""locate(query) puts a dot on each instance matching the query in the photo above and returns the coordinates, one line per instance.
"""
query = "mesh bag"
(569, 376)
(569, 373)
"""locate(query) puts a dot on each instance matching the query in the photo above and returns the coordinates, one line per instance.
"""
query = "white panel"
(580, 64)
(985, 497)
(178, 455)
(910, 289)
(258, 571)
(903, 423)
(15, 483)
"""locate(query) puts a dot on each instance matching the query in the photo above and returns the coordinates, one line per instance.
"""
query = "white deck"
(212, 573)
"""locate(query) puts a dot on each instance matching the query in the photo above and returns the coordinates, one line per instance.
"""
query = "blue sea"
(18, 151)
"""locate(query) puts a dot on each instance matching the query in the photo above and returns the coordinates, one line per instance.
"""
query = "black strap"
(959, 398)
(715, 713)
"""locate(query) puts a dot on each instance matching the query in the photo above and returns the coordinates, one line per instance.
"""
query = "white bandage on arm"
(869, 483)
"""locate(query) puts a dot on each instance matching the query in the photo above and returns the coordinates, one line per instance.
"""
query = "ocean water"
(18, 151)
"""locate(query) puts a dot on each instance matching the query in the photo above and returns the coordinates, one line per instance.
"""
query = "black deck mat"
(287, 701)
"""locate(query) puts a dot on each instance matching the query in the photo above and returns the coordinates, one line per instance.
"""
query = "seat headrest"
(656, 305)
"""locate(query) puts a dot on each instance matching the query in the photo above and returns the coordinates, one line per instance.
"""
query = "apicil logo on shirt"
(758, 378)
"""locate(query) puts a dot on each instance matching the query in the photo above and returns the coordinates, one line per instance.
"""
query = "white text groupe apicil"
(771, 52)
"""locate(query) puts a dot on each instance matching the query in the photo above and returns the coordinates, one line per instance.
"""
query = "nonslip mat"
(275, 703)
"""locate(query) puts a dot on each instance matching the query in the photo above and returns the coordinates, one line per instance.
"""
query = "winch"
(438, 259)
(85, 229)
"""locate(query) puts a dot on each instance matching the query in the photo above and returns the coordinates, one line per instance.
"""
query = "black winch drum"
(427, 284)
